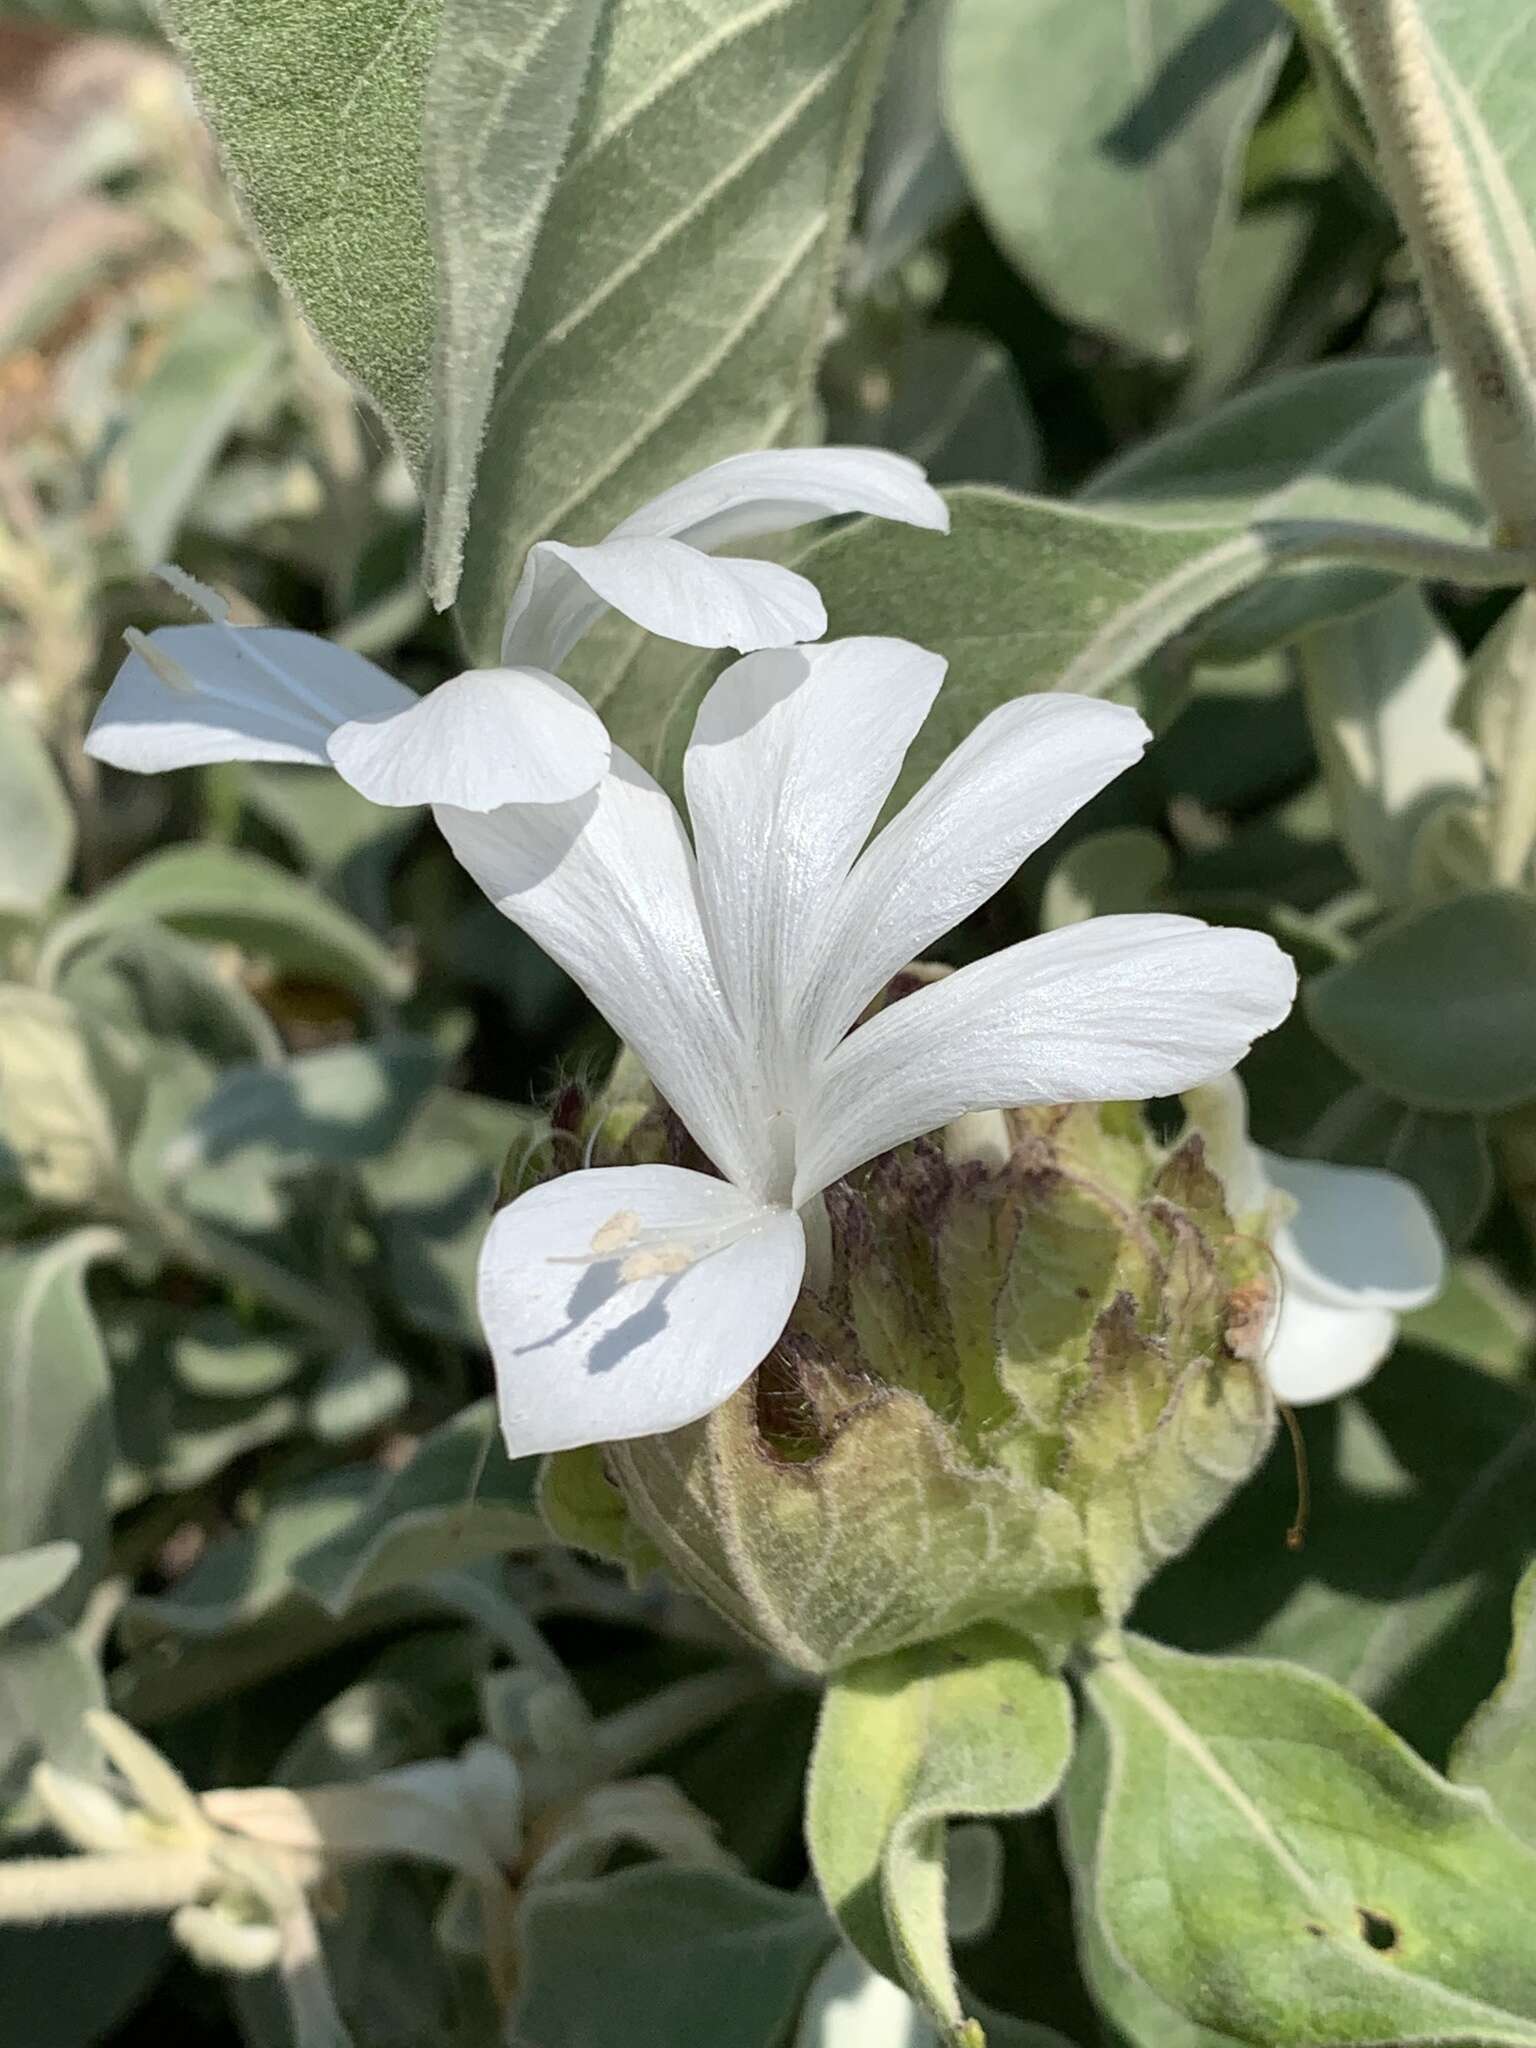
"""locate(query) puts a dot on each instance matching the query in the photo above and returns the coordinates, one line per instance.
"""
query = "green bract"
(1027, 1381)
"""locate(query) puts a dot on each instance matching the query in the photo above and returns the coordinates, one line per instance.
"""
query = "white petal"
(1319, 1350)
(1115, 1009)
(793, 754)
(607, 886)
(773, 489)
(850, 2006)
(584, 1354)
(1360, 1238)
(235, 693)
(489, 737)
(665, 586)
(1004, 791)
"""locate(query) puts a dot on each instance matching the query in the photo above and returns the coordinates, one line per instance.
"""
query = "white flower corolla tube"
(1355, 1248)
(188, 695)
(622, 1301)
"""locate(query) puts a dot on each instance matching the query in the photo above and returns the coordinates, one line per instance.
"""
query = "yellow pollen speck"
(667, 1258)
(617, 1232)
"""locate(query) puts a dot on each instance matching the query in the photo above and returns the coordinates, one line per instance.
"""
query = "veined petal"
(623, 1301)
(1360, 1237)
(607, 886)
(489, 737)
(793, 753)
(1318, 1349)
(1003, 792)
(1115, 1009)
(771, 490)
(665, 586)
(187, 695)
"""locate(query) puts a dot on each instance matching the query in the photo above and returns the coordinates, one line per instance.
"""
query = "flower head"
(1356, 1248)
(516, 733)
(624, 1301)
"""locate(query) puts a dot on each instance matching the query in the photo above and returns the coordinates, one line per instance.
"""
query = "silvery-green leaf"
(912, 180)
(336, 1106)
(972, 1724)
(1091, 132)
(224, 895)
(29, 1577)
(1277, 1865)
(1478, 1318)
(149, 981)
(1497, 712)
(317, 110)
(56, 1443)
(1371, 439)
(1497, 1748)
(740, 1957)
(459, 1499)
(213, 364)
(1380, 688)
(37, 826)
(55, 1121)
(676, 305)
(502, 93)
(950, 399)
(47, 1683)
(1436, 1007)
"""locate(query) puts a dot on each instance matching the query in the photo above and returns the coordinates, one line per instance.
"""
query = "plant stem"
(38, 1889)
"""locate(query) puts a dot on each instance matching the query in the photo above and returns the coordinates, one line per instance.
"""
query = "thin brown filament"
(1296, 1535)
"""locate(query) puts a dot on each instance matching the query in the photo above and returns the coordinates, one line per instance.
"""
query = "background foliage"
(1133, 290)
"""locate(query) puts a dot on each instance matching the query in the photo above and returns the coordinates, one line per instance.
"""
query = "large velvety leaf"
(738, 1959)
(677, 301)
(1497, 1748)
(318, 112)
(29, 1577)
(1092, 131)
(502, 93)
(55, 1417)
(459, 1499)
(1279, 1866)
(1436, 1008)
(973, 1724)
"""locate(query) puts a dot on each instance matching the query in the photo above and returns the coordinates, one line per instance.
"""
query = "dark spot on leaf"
(1376, 1930)
(1315, 1931)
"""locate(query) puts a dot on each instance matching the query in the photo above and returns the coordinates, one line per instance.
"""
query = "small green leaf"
(1497, 710)
(37, 826)
(1497, 1748)
(1380, 688)
(739, 1957)
(1277, 1865)
(55, 1122)
(973, 1724)
(1436, 1007)
(56, 1444)
(47, 1684)
(1090, 131)
(181, 417)
(29, 1577)
(220, 894)
(1108, 873)
(459, 1499)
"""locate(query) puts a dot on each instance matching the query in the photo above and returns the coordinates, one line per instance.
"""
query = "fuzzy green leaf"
(1275, 1864)
(1497, 1748)
(974, 1724)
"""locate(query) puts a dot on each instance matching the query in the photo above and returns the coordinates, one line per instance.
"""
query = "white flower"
(623, 1301)
(1356, 1248)
(514, 734)
(850, 2006)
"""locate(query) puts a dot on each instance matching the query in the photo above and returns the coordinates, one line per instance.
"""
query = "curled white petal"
(643, 567)
(623, 1301)
(188, 695)
(1318, 1349)
(488, 737)
(1359, 1236)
